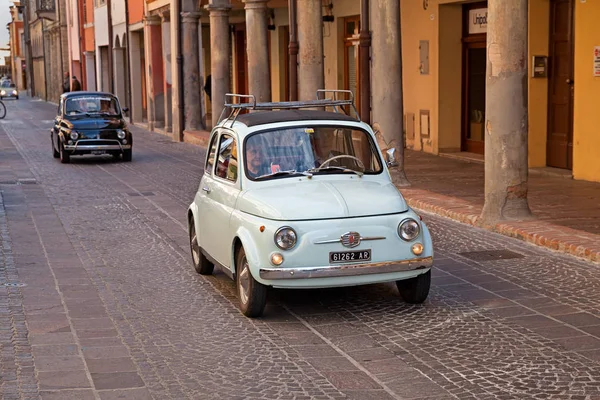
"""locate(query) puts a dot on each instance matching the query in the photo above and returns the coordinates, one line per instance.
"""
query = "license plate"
(98, 152)
(349, 256)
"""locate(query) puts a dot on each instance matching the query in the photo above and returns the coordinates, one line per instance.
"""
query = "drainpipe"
(293, 51)
(62, 70)
(110, 46)
(180, 96)
(28, 56)
(127, 56)
(365, 72)
(82, 61)
(45, 72)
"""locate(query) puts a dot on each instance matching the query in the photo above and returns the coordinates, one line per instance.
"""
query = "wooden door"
(474, 70)
(559, 149)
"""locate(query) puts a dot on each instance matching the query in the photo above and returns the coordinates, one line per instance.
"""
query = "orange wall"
(17, 39)
(136, 11)
(89, 39)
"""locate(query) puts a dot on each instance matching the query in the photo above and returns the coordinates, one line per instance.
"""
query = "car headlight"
(14, 92)
(74, 135)
(3, 93)
(121, 133)
(409, 229)
(285, 238)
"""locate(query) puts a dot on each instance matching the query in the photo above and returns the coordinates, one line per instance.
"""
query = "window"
(210, 160)
(92, 105)
(227, 165)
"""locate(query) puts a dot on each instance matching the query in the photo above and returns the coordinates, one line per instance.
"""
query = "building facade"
(17, 46)
(158, 55)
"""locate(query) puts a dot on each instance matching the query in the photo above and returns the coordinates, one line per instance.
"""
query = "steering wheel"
(360, 163)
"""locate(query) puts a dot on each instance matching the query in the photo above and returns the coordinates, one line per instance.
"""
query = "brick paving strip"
(585, 245)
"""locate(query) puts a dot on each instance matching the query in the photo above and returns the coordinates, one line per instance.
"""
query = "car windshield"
(310, 150)
(103, 105)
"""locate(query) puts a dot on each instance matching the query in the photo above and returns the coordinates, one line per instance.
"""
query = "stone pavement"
(98, 291)
(567, 212)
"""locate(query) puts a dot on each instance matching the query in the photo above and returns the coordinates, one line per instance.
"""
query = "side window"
(227, 161)
(210, 160)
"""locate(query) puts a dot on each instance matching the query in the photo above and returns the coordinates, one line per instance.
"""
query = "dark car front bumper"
(97, 145)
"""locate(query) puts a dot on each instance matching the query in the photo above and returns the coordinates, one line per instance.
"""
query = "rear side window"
(210, 160)
(227, 165)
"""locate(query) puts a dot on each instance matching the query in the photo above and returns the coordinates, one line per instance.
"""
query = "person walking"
(76, 86)
(66, 83)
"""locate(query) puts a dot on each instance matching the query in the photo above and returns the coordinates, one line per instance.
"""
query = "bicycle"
(2, 110)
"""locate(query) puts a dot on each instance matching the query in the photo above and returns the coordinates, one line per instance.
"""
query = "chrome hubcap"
(195, 248)
(244, 281)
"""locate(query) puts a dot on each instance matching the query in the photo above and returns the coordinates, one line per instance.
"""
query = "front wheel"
(55, 153)
(65, 157)
(2, 110)
(127, 155)
(415, 290)
(252, 294)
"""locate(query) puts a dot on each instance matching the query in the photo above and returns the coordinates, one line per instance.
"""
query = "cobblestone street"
(99, 299)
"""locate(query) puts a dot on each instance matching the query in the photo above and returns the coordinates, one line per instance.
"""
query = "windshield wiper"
(334, 168)
(278, 173)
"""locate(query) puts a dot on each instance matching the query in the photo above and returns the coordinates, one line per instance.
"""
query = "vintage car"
(298, 198)
(8, 89)
(90, 123)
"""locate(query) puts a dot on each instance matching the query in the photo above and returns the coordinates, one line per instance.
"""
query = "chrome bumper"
(117, 146)
(332, 271)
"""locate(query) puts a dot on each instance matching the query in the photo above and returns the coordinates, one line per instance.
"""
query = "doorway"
(559, 148)
(351, 60)
(474, 77)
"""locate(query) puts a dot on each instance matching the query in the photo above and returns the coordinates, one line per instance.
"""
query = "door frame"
(469, 41)
(551, 81)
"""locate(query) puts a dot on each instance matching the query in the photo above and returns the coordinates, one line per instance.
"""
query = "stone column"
(90, 75)
(506, 163)
(154, 60)
(119, 78)
(191, 71)
(166, 48)
(387, 105)
(220, 51)
(257, 48)
(135, 67)
(310, 57)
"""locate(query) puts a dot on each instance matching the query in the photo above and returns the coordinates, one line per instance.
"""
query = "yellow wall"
(586, 131)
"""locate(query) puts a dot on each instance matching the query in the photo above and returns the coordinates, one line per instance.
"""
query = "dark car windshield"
(310, 150)
(103, 105)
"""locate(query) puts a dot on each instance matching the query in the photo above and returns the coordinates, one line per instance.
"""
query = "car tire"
(252, 294)
(65, 157)
(415, 290)
(55, 153)
(201, 263)
(127, 155)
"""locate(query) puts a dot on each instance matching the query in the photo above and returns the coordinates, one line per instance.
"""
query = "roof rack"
(236, 107)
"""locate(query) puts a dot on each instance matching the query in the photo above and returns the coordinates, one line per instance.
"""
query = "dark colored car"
(90, 123)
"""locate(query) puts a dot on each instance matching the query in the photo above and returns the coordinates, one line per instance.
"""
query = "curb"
(583, 245)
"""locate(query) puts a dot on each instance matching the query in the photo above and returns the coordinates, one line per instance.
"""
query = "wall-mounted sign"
(597, 61)
(478, 20)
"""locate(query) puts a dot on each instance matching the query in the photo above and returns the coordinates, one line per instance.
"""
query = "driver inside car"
(255, 160)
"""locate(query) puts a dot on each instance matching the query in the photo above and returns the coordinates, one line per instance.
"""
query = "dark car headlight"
(74, 135)
(121, 133)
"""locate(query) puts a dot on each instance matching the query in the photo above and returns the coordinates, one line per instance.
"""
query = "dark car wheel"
(55, 153)
(65, 157)
(127, 155)
(201, 263)
(252, 294)
(415, 290)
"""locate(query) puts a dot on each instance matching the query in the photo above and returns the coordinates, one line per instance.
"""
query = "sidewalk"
(567, 211)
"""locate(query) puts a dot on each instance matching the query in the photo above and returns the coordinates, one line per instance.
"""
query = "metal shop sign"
(478, 20)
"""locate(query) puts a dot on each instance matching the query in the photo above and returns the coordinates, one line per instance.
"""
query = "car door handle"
(206, 189)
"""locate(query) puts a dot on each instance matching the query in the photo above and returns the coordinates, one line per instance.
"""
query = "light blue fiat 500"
(301, 198)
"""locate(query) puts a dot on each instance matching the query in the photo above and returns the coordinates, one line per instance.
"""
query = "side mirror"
(125, 110)
(391, 158)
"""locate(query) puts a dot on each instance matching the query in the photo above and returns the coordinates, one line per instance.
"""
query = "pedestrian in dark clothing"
(76, 85)
(66, 83)
(207, 87)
